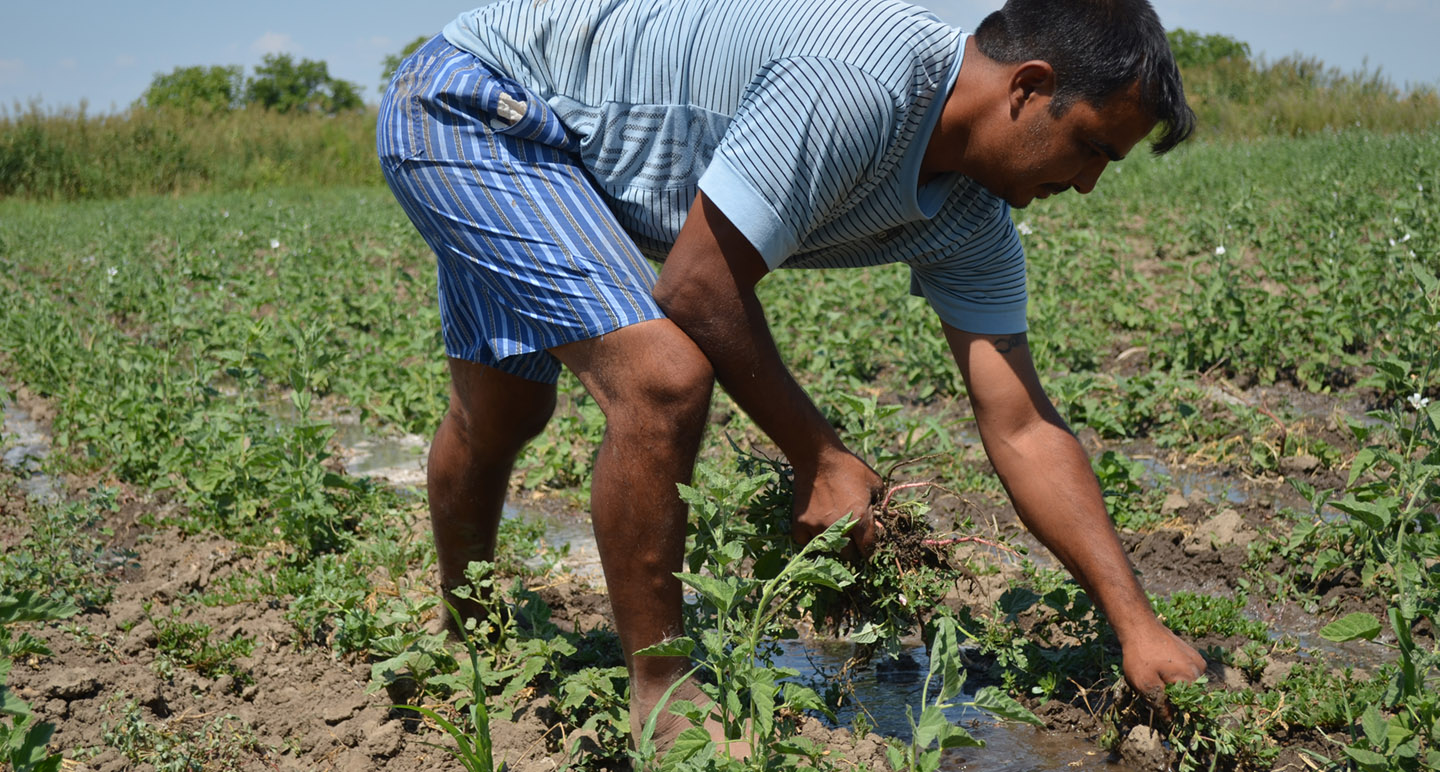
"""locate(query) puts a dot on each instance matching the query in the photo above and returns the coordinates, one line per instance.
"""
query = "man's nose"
(1084, 182)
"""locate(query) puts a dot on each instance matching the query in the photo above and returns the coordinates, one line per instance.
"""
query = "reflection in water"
(25, 445)
(884, 689)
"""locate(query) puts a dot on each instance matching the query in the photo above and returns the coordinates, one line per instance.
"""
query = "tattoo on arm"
(1008, 343)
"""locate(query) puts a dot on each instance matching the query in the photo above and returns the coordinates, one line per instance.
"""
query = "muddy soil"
(295, 705)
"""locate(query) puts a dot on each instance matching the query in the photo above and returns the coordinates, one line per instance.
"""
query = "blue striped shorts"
(529, 255)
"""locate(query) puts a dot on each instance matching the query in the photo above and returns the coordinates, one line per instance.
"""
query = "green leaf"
(31, 754)
(802, 698)
(1425, 276)
(31, 606)
(1367, 759)
(869, 633)
(718, 592)
(824, 571)
(675, 647)
(1365, 459)
(762, 699)
(1374, 725)
(932, 723)
(944, 657)
(10, 705)
(957, 737)
(1017, 600)
(692, 744)
(996, 701)
(1356, 625)
(1376, 514)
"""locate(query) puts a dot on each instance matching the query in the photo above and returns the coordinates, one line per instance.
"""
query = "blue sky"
(105, 53)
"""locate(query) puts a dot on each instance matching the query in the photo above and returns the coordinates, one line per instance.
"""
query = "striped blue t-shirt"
(805, 121)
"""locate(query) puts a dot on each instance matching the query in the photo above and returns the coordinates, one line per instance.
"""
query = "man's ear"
(1028, 81)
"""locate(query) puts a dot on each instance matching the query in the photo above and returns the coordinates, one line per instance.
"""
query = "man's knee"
(511, 425)
(495, 410)
(682, 387)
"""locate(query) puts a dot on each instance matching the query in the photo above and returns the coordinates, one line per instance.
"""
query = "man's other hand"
(842, 484)
(1159, 658)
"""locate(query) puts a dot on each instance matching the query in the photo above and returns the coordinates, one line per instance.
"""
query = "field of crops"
(1243, 335)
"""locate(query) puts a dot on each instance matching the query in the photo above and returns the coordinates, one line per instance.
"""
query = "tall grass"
(1237, 98)
(70, 154)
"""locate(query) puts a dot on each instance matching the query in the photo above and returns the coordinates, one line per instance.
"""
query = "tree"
(391, 63)
(283, 85)
(1192, 49)
(196, 89)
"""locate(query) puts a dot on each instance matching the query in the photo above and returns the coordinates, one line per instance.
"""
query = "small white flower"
(1025, 229)
(113, 272)
(1392, 242)
(1220, 250)
(1420, 187)
(1405, 238)
(275, 243)
(903, 601)
(224, 212)
(1418, 402)
(1396, 220)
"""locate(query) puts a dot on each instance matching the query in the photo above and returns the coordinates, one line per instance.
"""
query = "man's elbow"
(683, 302)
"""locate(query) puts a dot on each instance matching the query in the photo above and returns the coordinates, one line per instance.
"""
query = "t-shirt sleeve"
(807, 131)
(980, 287)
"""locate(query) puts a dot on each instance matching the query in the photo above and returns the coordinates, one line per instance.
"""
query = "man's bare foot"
(668, 725)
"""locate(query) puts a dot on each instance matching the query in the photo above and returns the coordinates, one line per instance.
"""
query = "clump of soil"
(289, 705)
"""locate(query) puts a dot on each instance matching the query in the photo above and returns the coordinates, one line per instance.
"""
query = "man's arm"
(1049, 479)
(707, 287)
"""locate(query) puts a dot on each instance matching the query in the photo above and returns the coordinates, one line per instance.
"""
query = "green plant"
(933, 727)
(473, 747)
(23, 737)
(746, 690)
(1128, 501)
(222, 743)
(1408, 738)
(192, 645)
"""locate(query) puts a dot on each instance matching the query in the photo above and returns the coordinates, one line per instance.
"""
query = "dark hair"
(1097, 48)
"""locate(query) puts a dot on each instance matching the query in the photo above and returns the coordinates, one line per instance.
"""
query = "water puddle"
(884, 689)
(1190, 482)
(399, 459)
(25, 446)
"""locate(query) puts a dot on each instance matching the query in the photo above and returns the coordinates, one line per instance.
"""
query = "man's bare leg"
(653, 385)
(491, 416)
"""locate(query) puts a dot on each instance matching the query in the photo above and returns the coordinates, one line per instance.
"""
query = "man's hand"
(841, 485)
(1158, 658)
(707, 287)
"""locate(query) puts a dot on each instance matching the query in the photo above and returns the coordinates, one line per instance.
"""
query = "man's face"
(1044, 155)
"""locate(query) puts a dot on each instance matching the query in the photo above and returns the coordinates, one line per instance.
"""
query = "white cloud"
(125, 60)
(274, 43)
(11, 71)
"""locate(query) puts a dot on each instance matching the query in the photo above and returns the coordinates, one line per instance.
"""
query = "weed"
(933, 728)
(23, 737)
(223, 743)
(191, 645)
